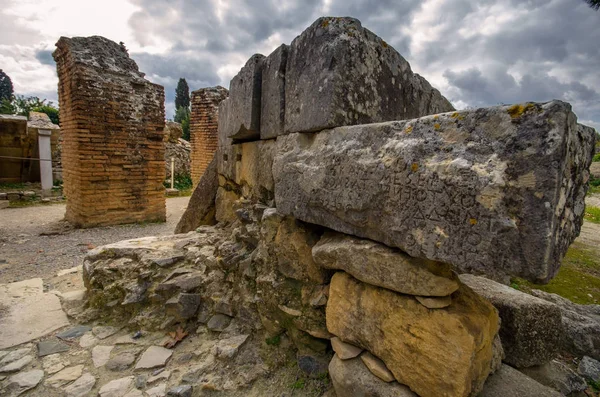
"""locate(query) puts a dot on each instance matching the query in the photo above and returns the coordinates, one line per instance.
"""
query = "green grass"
(299, 384)
(273, 341)
(592, 214)
(596, 157)
(577, 280)
(594, 186)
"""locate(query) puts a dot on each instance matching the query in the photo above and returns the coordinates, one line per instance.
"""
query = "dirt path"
(25, 252)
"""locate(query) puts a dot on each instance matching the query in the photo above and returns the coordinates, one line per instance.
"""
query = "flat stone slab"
(154, 356)
(23, 381)
(52, 346)
(497, 191)
(81, 387)
(30, 317)
(507, 381)
(73, 333)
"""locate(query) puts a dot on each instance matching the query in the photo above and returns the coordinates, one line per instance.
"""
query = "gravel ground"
(26, 251)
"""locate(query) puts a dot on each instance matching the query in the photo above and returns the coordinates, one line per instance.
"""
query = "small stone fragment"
(154, 356)
(352, 378)
(313, 365)
(103, 332)
(88, 340)
(377, 367)
(218, 322)
(81, 387)
(158, 391)
(180, 391)
(52, 346)
(121, 361)
(589, 368)
(73, 333)
(65, 376)
(14, 355)
(228, 348)
(17, 365)
(344, 351)
(24, 381)
(163, 375)
(101, 355)
(117, 387)
(434, 303)
(53, 363)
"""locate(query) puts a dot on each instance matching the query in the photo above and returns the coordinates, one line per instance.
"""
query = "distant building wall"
(14, 144)
(112, 121)
(203, 128)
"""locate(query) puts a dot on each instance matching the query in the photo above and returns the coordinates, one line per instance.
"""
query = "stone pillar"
(203, 128)
(44, 143)
(113, 124)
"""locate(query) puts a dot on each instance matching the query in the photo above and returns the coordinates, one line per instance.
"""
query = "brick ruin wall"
(203, 128)
(112, 121)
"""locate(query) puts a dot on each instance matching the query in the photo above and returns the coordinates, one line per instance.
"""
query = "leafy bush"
(181, 182)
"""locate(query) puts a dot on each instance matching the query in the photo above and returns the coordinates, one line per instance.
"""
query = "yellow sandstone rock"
(443, 352)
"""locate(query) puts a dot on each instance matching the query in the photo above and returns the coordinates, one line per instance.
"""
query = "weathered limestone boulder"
(507, 381)
(434, 352)
(557, 376)
(272, 115)
(239, 114)
(376, 264)
(498, 191)
(201, 207)
(173, 132)
(531, 329)
(180, 151)
(580, 323)
(339, 73)
(351, 378)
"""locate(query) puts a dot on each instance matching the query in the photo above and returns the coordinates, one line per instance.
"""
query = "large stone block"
(201, 207)
(249, 166)
(434, 352)
(531, 329)
(272, 115)
(339, 73)
(498, 191)
(385, 267)
(240, 113)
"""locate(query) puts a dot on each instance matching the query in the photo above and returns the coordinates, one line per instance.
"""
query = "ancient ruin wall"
(203, 128)
(112, 121)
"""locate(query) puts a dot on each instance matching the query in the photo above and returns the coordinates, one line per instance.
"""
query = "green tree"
(182, 94)
(182, 115)
(6, 87)
(22, 105)
(595, 4)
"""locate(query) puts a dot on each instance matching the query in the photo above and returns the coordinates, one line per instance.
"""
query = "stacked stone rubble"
(203, 128)
(112, 121)
(328, 231)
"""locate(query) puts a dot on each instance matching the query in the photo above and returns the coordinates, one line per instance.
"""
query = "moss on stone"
(516, 111)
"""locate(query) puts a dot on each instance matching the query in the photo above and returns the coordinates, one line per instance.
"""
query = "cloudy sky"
(477, 53)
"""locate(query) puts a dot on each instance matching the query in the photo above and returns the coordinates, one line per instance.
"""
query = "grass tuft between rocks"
(577, 280)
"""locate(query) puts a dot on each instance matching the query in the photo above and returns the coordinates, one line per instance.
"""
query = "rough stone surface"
(339, 73)
(153, 357)
(344, 351)
(81, 387)
(24, 381)
(376, 264)
(74, 332)
(581, 324)
(65, 376)
(121, 361)
(377, 367)
(101, 355)
(218, 322)
(352, 378)
(531, 328)
(104, 331)
(498, 191)
(239, 114)
(272, 114)
(180, 391)
(117, 387)
(557, 376)
(51, 346)
(14, 355)
(183, 306)
(589, 368)
(449, 349)
(507, 381)
(16, 365)
(228, 348)
(201, 207)
(434, 303)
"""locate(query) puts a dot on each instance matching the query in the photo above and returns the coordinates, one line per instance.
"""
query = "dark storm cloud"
(479, 53)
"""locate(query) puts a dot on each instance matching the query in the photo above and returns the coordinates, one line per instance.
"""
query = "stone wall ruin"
(112, 121)
(327, 235)
(203, 128)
